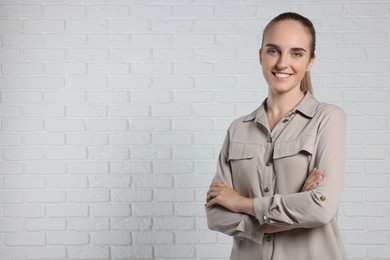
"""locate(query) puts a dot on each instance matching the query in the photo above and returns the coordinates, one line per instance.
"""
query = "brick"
(173, 54)
(85, 196)
(111, 238)
(109, 11)
(11, 54)
(172, 139)
(7, 197)
(24, 10)
(44, 224)
(10, 25)
(44, 139)
(44, 196)
(216, 26)
(364, 38)
(86, 82)
(173, 82)
(23, 154)
(155, 40)
(43, 25)
(155, 96)
(241, 39)
(44, 111)
(130, 54)
(89, 25)
(88, 252)
(174, 25)
(86, 167)
(10, 82)
(153, 237)
(133, 195)
(132, 251)
(128, 167)
(64, 97)
(151, 181)
(45, 168)
(129, 82)
(156, 68)
(195, 237)
(67, 68)
(130, 224)
(63, 11)
(104, 68)
(108, 39)
(86, 111)
(150, 153)
(108, 97)
(67, 210)
(87, 139)
(43, 82)
(11, 168)
(21, 39)
(89, 54)
(10, 139)
(173, 223)
(68, 238)
(124, 139)
(104, 125)
(192, 39)
(46, 253)
(66, 153)
(62, 39)
(67, 182)
(11, 225)
(117, 181)
(170, 251)
(88, 224)
(174, 195)
(18, 68)
(25, 239)
(111, 210)
(24, 211)
(153, 209)
(151, 11)
(117, 153)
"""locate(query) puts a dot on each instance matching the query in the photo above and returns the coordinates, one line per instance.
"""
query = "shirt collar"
(307, 107)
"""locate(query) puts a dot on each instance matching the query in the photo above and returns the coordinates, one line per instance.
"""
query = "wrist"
(246, 206)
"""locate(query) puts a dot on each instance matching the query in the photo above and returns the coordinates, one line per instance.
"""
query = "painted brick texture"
(112, 114)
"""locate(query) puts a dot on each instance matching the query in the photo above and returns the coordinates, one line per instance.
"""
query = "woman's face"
(285, 56)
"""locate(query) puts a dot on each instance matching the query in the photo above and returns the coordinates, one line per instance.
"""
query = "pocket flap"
(292, 147)
(239, 151)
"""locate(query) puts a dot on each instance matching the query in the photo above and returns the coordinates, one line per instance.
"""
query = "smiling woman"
(280, 171)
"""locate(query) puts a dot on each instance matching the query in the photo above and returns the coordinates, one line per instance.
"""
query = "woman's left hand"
(227, 197)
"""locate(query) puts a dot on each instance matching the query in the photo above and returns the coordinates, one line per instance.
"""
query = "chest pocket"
(304, 144)
(292, 163)
(244, 162)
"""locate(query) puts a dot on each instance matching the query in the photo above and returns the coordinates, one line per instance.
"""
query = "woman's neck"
(278, 105)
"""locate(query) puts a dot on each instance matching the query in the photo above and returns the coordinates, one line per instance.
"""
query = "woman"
(267, 192)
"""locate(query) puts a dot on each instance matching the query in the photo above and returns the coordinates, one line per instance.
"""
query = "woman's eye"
(297, 54)
(272, 52)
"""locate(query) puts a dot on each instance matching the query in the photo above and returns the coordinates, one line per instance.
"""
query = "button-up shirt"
(271, 167)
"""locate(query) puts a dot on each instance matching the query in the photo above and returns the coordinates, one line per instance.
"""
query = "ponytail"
(306, 85)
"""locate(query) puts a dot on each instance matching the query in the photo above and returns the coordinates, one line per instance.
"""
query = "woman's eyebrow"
(271, 45)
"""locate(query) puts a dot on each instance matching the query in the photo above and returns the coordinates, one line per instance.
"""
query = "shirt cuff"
(262, 209)
(249, 228)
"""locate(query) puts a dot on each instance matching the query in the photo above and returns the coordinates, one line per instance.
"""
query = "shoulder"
(330, 110)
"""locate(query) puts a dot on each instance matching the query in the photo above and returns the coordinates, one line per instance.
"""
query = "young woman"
(267, 192)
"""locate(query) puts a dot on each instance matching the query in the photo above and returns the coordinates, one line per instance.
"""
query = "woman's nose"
(282, 62)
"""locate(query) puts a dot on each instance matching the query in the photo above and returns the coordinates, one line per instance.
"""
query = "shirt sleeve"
(223, 220)
(318, 206)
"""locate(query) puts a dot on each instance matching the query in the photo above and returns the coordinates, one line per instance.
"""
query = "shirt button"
(322, 198)
(266, 189)
(268, 238)
(269, 140)
(285, 120)
(268, 164)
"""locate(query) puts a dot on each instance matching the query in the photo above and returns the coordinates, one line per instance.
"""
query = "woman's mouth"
(281, 75)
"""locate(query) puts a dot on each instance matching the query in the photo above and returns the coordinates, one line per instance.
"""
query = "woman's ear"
(260, 51)
(311, 61)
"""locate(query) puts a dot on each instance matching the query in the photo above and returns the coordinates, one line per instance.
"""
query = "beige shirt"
(272, 168)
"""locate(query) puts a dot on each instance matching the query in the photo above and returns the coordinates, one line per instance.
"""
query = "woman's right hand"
(312, 181)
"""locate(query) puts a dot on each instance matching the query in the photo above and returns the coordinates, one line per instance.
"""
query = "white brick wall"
(112, 114)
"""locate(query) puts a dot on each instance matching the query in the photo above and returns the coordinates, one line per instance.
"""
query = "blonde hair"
(306, 85)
